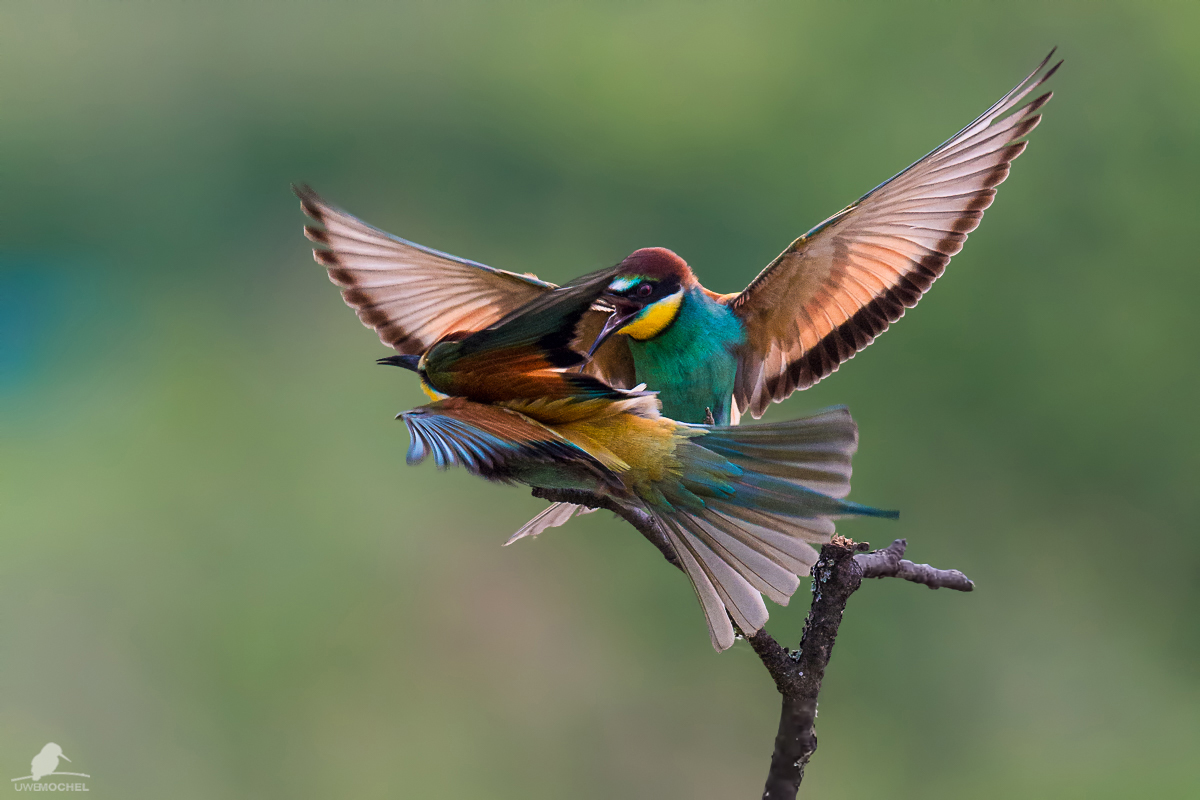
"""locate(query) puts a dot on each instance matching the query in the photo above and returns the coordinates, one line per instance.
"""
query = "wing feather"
(412, 295)
(833, 290)
(492, 442)
(390, 281)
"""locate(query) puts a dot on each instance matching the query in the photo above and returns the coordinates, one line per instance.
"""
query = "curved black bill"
(616, 320)
(408, 362)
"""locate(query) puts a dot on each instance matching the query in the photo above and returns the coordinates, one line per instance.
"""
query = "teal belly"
(692, 365)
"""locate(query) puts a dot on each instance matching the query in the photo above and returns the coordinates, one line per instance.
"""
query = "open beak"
(617, 320)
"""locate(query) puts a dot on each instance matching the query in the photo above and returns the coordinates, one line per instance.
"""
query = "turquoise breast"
(693, 363)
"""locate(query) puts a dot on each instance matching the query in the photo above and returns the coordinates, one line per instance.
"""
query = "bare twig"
(797, 674)
(887, 563)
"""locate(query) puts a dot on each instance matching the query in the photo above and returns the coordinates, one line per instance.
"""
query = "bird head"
(646, 294)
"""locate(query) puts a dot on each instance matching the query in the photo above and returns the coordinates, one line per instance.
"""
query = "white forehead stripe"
(624, 282)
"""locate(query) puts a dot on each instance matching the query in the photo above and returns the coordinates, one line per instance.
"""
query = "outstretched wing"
(493, 442)
(833, 290)
(412, 295)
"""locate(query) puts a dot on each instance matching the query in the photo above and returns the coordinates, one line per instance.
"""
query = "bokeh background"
(218, 579)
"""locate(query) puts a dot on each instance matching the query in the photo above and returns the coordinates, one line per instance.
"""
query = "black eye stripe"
(648, 290)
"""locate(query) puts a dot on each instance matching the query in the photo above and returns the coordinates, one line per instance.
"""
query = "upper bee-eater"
(824, 298)
(740, 505)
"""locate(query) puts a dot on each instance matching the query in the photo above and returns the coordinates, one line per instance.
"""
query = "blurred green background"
(218, 579)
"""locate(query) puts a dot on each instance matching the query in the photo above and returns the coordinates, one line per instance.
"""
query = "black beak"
(408, 362)
(617, 320)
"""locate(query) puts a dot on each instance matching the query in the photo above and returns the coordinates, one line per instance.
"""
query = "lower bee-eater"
(741, 506)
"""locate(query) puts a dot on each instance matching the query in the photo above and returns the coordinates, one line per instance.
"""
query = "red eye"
(645, 290)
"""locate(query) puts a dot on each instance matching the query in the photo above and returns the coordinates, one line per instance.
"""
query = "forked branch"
(797, 674)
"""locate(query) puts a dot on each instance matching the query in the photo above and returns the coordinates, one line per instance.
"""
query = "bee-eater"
(824, 298)
(740, 505)
(710, 356)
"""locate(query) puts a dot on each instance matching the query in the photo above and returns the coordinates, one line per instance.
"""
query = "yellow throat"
(432, 393)
(654, 318)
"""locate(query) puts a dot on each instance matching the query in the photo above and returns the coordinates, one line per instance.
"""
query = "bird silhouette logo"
(46, 763)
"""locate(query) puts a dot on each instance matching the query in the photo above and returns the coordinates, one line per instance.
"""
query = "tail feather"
(732, 564)
(554, 515)
(784, 498)
(747, 507)
(738, 598)
(759, 569)
(720, 630)
(794, 540)
(814, 452)
(788, 550)
(859, 510)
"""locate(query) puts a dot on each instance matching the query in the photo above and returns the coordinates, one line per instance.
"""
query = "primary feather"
(837, 287)
(414, 296)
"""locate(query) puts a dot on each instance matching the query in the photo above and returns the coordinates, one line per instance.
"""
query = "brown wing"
(412, 295)
(841, 284)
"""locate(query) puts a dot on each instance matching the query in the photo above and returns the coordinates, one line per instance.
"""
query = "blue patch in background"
(30, 293)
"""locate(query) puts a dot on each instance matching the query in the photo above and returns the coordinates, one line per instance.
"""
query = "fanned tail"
(749, 507)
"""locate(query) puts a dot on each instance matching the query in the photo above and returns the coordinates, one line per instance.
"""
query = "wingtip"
(316, 235)
(303, 191)
(1051, 71)
(1044, 61)
(310, 202)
